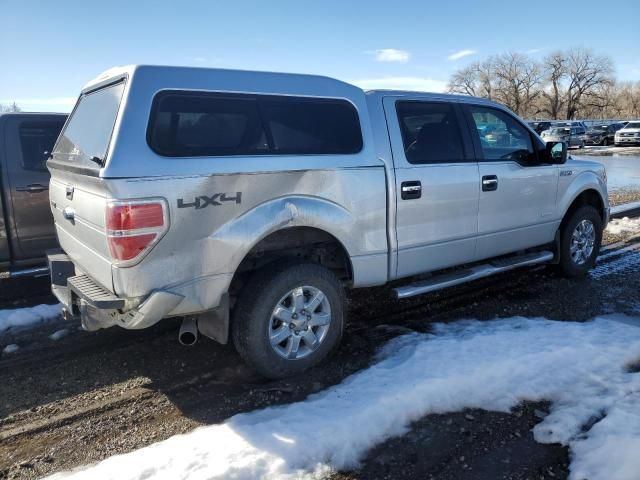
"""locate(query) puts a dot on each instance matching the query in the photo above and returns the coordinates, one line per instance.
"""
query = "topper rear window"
(186, 124)
(86, 136)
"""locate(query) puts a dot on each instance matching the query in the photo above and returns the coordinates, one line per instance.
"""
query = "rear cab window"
(84, 142)
(187, 124)
(430, 132)
(36, 141)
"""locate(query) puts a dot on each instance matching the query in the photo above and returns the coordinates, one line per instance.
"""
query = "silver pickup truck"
(26, 225)
(246, 203)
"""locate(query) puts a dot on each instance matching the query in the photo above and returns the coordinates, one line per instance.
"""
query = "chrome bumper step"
(450, 279)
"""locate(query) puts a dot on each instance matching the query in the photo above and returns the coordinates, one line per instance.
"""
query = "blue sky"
(49, 49)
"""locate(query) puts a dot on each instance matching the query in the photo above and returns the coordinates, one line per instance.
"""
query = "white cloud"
(460, 54)
(390, 55)
(533, 50)
(420, 84)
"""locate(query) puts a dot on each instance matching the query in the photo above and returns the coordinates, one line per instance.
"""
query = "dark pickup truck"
(26, 223)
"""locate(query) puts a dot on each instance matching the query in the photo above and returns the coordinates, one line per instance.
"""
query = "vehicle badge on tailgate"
(203, 201)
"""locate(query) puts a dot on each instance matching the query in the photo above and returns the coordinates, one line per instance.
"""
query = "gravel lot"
(88, 396)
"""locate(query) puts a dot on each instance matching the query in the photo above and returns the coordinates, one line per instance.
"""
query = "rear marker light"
(134, 227)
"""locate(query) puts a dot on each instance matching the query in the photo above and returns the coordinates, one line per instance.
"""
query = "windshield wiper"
(97, 160)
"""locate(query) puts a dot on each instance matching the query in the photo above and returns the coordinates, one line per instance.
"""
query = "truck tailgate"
(78, 203)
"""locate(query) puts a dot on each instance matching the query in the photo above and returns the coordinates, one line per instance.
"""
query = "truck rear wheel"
(580, 240)
(289, 318)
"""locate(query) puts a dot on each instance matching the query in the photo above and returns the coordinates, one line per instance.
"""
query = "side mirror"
(556, 152)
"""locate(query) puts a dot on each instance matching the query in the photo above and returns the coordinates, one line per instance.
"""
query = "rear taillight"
(134, 227)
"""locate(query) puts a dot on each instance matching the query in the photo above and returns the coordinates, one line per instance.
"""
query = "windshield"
(559, 131)
(599, 127)
(86, 136)
(633, 125)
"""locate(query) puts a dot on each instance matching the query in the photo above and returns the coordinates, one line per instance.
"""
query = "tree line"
(10, 108)
(566, 84)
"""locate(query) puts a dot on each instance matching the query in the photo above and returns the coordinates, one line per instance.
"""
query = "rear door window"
(185, 124)
(430, 132)
(36, 141)
(85, 139)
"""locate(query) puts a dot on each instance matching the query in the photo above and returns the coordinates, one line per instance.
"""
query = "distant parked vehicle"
(602, 134)
(564, 123)
(26, 223)
(628, 135)
(572, 136)
(540, 127)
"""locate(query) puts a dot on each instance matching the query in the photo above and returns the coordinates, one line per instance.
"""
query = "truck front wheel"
(580, 240)
(288, 318)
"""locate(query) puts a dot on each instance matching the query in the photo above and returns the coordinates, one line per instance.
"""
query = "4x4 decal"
(203, 201)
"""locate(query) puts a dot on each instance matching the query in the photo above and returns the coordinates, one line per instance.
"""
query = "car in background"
(26, 223)
(572, 136)
(540, 127)
(628, 135)
(602, 134)
(565, 123)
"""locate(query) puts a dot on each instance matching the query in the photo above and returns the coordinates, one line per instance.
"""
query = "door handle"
(32, 188)
(489, 183)
(410, 190)
(69, 213)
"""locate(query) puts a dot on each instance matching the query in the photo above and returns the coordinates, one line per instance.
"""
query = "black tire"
(252, 317)
(568, 267)
(581, 145)
(605, 142)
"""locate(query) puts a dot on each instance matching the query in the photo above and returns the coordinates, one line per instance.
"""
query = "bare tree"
(465, 81)
(476, 79)
(518, 81)
(585, 73)
(10, 108)
(601, 102)
(628, 99)
(555, 69)
(564, 84)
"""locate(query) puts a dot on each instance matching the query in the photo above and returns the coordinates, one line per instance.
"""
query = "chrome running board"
(438, 282)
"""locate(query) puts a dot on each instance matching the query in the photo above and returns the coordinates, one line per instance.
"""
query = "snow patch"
(582, 368)
(57, 335)
(24, 317)
(10, 348)
(626, 224)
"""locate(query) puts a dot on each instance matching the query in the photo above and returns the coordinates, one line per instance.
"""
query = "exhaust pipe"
(188, 334)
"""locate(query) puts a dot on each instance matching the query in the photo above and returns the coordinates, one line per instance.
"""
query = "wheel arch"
(587, 196)
(306, 243)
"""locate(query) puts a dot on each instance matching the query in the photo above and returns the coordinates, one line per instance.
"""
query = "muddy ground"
(88, 396)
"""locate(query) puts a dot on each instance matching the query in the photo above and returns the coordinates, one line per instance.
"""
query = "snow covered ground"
(585, 369)
(626, 224)
(27, 317)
